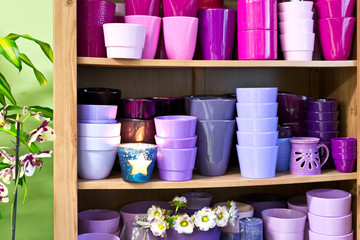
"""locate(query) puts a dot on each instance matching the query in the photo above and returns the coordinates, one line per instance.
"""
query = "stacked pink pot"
(98, 137)
(336, 27)
(329, 214)
(344, 153)
(176, 140)
(297, 30)
(257, 29)
(257, 131)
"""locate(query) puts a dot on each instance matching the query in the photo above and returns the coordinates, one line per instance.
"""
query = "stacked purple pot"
(344, 154)
(257, 131)
(330, 215)
(176, 140)
(336, 27)
(322, 122)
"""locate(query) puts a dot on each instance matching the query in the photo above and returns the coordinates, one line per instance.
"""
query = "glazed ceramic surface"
(295, 6)
(98, 221)
(333, 226)
(137, 108)
(175, 143)
(335, 8)
(284, 220)
(124, 35)
(186, 8)
(323, 126)
(95, 164)
(96, 112)
(256, 110)
(137, 130)
(96, 236)
(175, 126)
(142, 7)
(257, 124)
(256, 95)
(212, 108)
(98, 96)
(204, 4)
(260, 139)
(315, 236)
(98, 130)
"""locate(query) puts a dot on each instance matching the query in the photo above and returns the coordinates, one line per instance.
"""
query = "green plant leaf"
(6, 90)
(2, 99)
(47, 112)
(45, 47)
(24, 139)
(10, 51)
(39, 76)
(25, 191)
(4, 165)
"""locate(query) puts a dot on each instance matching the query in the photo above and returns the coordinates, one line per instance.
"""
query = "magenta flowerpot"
(91, 16)
(217, 33)
(257, 45)
(212, 234)
(335, 8)
(142, 7)
(186, 8)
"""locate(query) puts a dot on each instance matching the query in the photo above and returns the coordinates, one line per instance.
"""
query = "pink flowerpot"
(335, 8)
(142, 7)
(336, 36)
(257, 45)
(180, 34)
(187, 8)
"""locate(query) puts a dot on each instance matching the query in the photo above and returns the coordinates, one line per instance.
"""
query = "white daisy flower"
(154, 212)
(158, 227)
(222, 216)
(205, 219)
(184, 224)
(233, 212)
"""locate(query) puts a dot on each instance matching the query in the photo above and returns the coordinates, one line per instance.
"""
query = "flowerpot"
(212, 108)
(142, 7)
(98, 96)
(187, 8)
(175, 126)
(98, 221)
(257, 124)
(198, 200)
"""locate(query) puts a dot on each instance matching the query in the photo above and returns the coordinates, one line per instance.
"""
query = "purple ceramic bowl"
(316, 236)
(298, 203)
(285, 131)
(329, 202)
(198, 200)
(283, 220)
(291, 107)
(344, 149)
(98, 96)
(343, 142)
(137, 131)
(344, 156)
(96, 112)
(97, 236)
(261, 201)
(345, 166)
(322, 125)
(324, 136)
(172, 143)
(175, 126)
(322, 116)
(321, 105)
(137, 108)
(98, 221)
(333, 226)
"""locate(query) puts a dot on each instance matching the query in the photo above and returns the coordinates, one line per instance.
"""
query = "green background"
(35, 218)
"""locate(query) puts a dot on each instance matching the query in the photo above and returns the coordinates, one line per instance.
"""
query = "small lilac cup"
(136, 108)
(325, 126)
(186, 8)
(175, 143)
(96, 112)
(256, 110)
(257, 124)
(97, 236)
(256, 95)
(332, 226)
(198, 200)
(284, 220)
(322, 116)
(316, 236)
(142, 7)
(98, 221)
(343, 142)
(217, 33)
(212, 108)
(175, 126)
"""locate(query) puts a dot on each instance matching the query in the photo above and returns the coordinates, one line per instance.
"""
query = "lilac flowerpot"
(333, 226)
(187, 8)
(175, 126)
(142, 7)
(256, 95)
(212, 108)
(98, 221)
(212, 234)
(97, 236)
(217, 33)
(316, 236)
(214, 145)
(96, 112)
(262, 201)
(91, 16)
(298, 203)
(284, 220)
(257, 124)
(175, 143)
(345, 166)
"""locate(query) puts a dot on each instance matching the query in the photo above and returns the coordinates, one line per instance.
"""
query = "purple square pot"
(321, 105)
(322, 125)
(322, 116)
(98, 221)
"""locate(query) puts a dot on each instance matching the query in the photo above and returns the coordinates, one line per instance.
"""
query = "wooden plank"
(65, 167)
(356, 126)
(232, 179)
(143, 63)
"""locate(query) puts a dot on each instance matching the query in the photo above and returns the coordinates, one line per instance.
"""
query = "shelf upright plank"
(357, 128)
(65, 82)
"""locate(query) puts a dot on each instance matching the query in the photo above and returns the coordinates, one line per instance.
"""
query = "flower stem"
(16, 179)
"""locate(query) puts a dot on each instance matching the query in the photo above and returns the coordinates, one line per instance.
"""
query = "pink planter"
(336, 36)
(257, 45)
(142, 7)
(186, 8)
(335, 8)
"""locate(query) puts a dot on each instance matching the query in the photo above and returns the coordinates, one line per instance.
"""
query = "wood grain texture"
(356, 127)
(65, 167)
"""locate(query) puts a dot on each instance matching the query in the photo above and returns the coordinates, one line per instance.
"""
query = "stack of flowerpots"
(330, 215)
(257, 136)
(176, 140)
(344, 153)
(297, 30)
(336, 27)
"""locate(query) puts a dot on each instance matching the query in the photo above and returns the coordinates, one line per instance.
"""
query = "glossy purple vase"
(91, 16)
(217, 33)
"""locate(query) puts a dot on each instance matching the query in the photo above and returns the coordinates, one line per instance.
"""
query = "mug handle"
(327, 152)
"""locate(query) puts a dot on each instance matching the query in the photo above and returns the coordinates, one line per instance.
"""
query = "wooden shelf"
(232, 179)
(109, 62)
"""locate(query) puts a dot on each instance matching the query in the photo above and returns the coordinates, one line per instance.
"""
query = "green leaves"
(6, 90)
(24, 139)
(39, 76)
(4, 165)
(47, 112)
(10, 51)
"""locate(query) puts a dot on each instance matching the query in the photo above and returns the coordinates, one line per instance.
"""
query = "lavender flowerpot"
(316, 236)
(137, 108)
(214, 145)
(284, 220)
(257, 124)
(256, 95)
(321, 105)
(98, 221)
(175, 143)
(142, 7)
(261, 201)
(334, 226)
(217, 33)
(175, 126)
(212, 108)
(97, 236)
(94, 165)
(256, 110)
(96, 112)
(198, 200)
(212, 234)
(259, 139)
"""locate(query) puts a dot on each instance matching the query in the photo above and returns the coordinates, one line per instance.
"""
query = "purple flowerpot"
(257, 124)
(217, 33)
(91, 16)
(259, 139)
(334, 226)
(316, 236)
(256, 95)
(344, 149)
(198, 200)
(321, 105)
(284, 220)
(291, 107)
(175, 126)
(214, 146)
(324, 126)
(172, 143)
(343, 142)
(324, 136)
(137, 108)
(344, 156)
(186, 8)
(98, 221)
(212, 234)
(142, 7)
(98, 96)
(137, 131)
(322, 116)
(96, 112)
(97, 236)
(212, 108)
(261, 201)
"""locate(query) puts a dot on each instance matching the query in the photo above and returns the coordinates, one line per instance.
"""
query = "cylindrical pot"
(187, 8)
(142, 7)
(98, 221)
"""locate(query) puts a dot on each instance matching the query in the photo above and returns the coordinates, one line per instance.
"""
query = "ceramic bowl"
(297, 41)
(173, 143)
(321, 105)
(257, 139)
(198, 200)
(175, 126)
(262, 201)
(329, 202)
(325, 126)
(213, 109)
(343, 142)
(344, 156)
(96, 112)
(256, 110)
(137, 130)
(256, 95)
(297, 26)
(289, 16)
(316, 236)
(95, 164)
(137, 108)
(331, 226)
(284, 220)
(298, 203)
(98, 96)
(295, 6)
(322, 116)
(99, 130)
(324, 136)
(98, 221)
(257, 124)
(124, 35)
(97, 236)
(98, 144)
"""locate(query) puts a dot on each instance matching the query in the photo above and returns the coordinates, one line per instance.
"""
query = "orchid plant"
(13, 121)
(159, 220)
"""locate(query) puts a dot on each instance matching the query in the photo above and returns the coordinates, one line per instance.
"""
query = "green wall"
(35, 218)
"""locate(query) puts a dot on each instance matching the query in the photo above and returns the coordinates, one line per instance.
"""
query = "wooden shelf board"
(143, 63)
(231, 179)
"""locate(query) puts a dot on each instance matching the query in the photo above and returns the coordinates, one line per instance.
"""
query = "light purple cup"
(343, 142)
(97, 236)
(186, 8)
(284, 220)
(325, 126)
(257, 139)
(216, 108)
(180, 34)
(256, 95)
(95, 165)
(262, 201)
(322, 116)
(257, 124)
(130, 211)
(142, 7)
(91, 15)
(257, 162)
(329, 202)
(175, 143)
(331, 226)
(96, 112)
(176, 164)
(175, 126)
(217, 33)
(98, 221)
(198, 200)
(153, 25)
(256, 110)
(316, 236)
